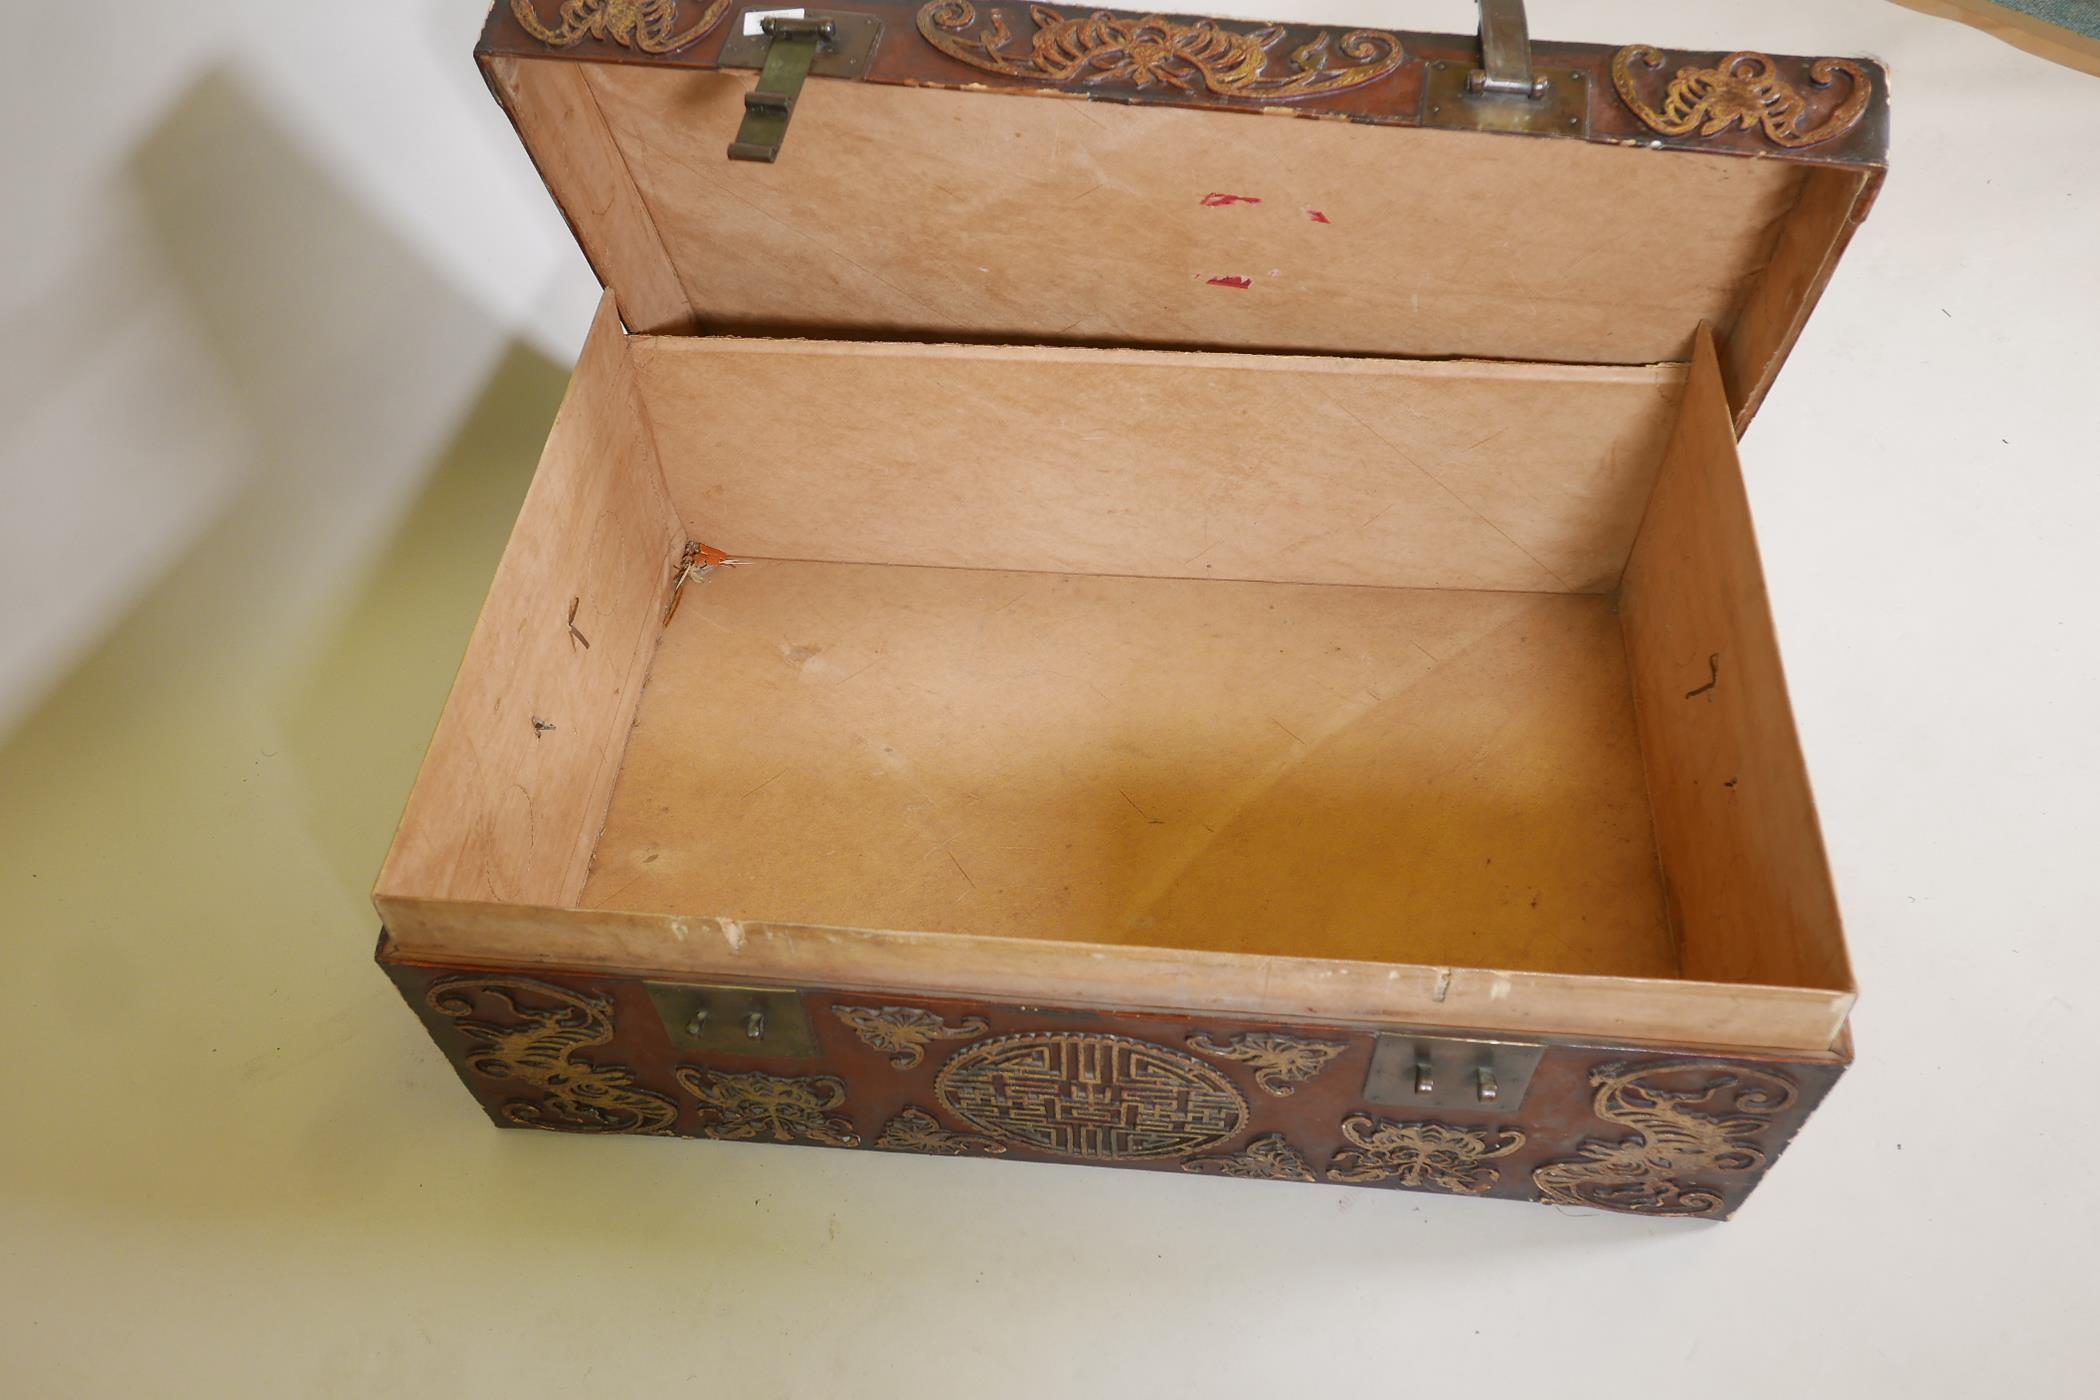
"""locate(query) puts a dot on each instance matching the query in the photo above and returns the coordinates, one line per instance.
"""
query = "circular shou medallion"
(1104, 1098)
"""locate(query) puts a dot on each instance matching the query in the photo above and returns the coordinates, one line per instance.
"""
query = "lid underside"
(939, 202)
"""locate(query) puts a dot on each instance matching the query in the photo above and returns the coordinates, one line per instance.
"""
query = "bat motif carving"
(1745, 90)
(650, 26)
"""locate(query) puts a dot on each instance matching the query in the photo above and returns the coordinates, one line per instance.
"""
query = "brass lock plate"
(1564, 109)
(718, 1020)
(1446, 1072)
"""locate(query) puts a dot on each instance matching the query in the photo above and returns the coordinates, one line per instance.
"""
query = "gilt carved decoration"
(1280, 1061)
(1745, 91)
(650, 26)
(1092, 1096)
(916, 1130)
(1154, 52)
(529, 1031)
(1422, 1154)
(902, 1032)
(1692, 1120)
(738, 1106)
(1269, 1157)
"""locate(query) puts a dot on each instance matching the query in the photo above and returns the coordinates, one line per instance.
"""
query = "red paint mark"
(1243, 283)
(1219, 201)
(1317, 217)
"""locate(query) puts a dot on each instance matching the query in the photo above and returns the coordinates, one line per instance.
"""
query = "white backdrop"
(285, 314)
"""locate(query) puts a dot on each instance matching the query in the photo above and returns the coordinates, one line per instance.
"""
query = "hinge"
(787, 46)
(1504, 92)
(1505, 53)
(1447, 1072)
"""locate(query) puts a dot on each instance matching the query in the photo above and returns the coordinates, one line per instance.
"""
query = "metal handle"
(1505, 53)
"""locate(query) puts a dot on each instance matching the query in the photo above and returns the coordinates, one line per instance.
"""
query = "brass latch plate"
(1562, 109)
(787, 46)
(719, 1020)
(1446, 1072)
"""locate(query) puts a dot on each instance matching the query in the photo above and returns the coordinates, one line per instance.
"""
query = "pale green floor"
(215, 1106)
(231, 1161)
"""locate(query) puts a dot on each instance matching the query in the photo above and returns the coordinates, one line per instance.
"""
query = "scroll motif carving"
(1099, 1097)
(648, 25)
(903, 1031)
(738, 1106)
(1422, 1154)
(534, 1039)
(1692, 1119)
(1268, 1158)
(916, 1130)
(1152, 51)
(1280, 1061)
(1746, 91)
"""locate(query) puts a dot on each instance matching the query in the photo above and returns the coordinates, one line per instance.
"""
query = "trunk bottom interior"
(1385, 774)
